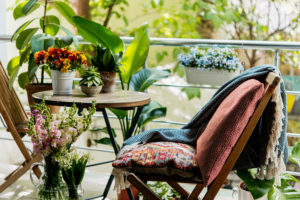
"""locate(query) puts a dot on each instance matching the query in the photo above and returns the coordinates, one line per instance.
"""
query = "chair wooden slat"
(272, 81)
(16, 119)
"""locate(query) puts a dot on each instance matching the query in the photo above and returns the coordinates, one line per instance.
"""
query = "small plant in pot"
(107, 64)
(91, 83)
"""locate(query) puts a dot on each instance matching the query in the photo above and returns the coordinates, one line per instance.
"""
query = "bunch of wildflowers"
(63, 60)
(219, 58)
(54, 134)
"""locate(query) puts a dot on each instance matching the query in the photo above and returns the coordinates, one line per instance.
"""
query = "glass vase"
(75, 192)
(50, 186)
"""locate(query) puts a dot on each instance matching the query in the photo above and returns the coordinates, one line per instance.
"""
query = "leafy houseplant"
(52, 136)
(62, 63)
(107, 64)
(259, 188)
(91, 83)
(31, 38)
(212, 66)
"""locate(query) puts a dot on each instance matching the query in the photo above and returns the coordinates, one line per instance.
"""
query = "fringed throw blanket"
(270, 132)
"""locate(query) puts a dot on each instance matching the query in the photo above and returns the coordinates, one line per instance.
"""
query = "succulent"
(91, 77)
(105, 60)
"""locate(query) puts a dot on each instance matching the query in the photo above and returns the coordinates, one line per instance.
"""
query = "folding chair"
(139, 179)
(16, 119)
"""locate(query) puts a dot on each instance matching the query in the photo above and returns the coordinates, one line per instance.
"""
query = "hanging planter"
(207, 76)
(210, 67)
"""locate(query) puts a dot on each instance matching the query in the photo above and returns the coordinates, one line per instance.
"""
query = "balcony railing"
(274, 46)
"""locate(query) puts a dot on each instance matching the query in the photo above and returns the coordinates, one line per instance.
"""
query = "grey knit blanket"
(188, 134)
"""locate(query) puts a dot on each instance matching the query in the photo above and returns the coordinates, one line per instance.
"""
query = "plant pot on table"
(109, 81)
(91, 91)
(62, 82)
(204, 76)
(33, 88)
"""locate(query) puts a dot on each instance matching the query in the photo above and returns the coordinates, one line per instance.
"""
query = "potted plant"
(254, 188)
(211, 66)
(91, 83)
(107, 64)
(62, 63)
(31, 38)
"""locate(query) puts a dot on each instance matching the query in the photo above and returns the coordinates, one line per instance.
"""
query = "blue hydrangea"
(214, 58)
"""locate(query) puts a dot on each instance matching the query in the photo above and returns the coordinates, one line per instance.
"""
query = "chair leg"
(184, 194)
(10, 179)
(195, 193)
(142, 187)
(213, 189)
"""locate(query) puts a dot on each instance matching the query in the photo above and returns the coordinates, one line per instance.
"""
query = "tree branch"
(109, 13)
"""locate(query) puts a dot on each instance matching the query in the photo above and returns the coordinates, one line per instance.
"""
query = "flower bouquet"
(62, 63)
(52, 136)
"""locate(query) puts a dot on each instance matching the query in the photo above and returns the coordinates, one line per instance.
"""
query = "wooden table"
(120, 99)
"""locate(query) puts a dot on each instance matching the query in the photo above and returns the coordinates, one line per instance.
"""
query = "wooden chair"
(16, 119)
(139, 180)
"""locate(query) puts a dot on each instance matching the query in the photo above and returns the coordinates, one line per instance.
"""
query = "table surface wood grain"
(117, 99)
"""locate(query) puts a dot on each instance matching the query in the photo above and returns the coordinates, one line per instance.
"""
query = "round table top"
(117, 99)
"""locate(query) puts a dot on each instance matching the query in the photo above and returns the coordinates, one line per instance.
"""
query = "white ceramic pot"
(208, 77)
(62, 82)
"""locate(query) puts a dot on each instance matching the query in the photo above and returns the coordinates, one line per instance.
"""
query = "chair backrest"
(10, 100)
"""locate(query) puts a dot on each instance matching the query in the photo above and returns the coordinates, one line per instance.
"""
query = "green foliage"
(32, 39)
(192, 92)
(97, 34)
(105, 60)
(144, 78)
(90, 77)
(151, 111)
(136, 54)
(295, 156)
(65, 10)
(259, 188)
(163, 190)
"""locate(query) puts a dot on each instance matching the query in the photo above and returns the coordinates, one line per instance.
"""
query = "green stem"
(44, 27)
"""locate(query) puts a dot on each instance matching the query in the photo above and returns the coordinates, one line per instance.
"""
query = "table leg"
(129, 134)
(109, 130)
(134, 121)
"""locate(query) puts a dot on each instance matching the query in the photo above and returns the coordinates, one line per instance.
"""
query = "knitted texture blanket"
(270, 131)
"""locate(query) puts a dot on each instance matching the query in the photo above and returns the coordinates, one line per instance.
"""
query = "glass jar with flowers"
(62, 63)
(52, 136)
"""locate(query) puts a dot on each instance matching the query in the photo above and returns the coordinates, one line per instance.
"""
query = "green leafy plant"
(259, 188)
(132, 74)
(90, 77)
(105, 60)
(73, 172)
(30, 38)
(163, 190)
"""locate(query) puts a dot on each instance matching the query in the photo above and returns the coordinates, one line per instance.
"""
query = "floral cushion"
(167, 158)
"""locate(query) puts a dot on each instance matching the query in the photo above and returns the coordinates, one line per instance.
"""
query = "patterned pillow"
(225, 127)
(160, 158)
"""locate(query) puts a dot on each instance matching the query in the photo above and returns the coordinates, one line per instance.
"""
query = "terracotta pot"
(33, 88)
(91, 91)
(108, 79)
(123, 195)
